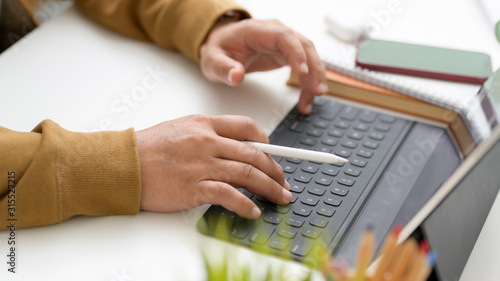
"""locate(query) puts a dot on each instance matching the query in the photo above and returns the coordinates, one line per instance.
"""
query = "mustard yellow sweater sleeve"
(57, 174)
(179, 25)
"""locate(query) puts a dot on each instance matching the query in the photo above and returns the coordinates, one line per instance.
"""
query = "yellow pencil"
(365, 252)
(400, 264)
(388, 251)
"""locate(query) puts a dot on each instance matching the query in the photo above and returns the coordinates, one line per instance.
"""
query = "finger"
(306, 97)
(238, 128)
(217, 66)
(254, 180)
(220, 193)
(314, 83)
(316, 79)
(277, 38)
(245, 153)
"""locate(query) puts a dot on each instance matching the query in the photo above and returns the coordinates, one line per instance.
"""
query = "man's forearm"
(59, 174)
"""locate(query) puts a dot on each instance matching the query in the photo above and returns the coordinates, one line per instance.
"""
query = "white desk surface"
(75, 72)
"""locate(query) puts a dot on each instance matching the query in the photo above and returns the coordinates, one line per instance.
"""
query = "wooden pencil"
(365, 252)
(416, 271)
(401, 263)
(388, 251)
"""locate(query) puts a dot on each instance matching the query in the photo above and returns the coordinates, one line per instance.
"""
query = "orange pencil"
(418, 267)
(388, 251)
(400, 264)
(365, 252)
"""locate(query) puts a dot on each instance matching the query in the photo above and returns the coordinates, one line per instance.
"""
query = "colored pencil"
(365, 253)
(388, 251)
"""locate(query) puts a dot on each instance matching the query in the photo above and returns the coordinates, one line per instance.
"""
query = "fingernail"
(304, 68)
(287, 185)
(230, 75)
(287, 195)
(255, 212)
(323, 88)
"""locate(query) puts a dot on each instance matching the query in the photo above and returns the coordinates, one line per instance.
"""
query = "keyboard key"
(305, 178)
(332, 201)
(349, 144)
(331, 171)
(343, 152)
(310, 168)
(294, 197)
(316, 190)
(364, 153)
(261, 202)
(352, 172)
(346, 181)
(321, 124)
(319, 221)
(309, 200)
(261, 235)
(349, 113)
(326, 211)
(342, 124)
(329, 141)
(305, 118)
(340, 191)
(273, 218)
(330, 111)
(241, 228)
(361, 127)
(376, 136)
(367, 116)
(308, 141)
(358, 162)
(295, 221)
(287, 233)
(301, 247)
(311, 232)
(370, 144)
(289, 168)
(336, 133)
(315, 133)
(298, 126)
(283, 209)
(294, 160)
(296, 187)
(326, 181)
(279, 244)
(355, 135)
(302, 210)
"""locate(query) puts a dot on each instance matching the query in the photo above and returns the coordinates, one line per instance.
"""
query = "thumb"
(221, 68)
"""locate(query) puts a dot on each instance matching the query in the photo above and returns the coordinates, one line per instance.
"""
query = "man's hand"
(199, 160)
(234, 48)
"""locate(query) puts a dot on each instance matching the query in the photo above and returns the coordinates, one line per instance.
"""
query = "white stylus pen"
(304, 154)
